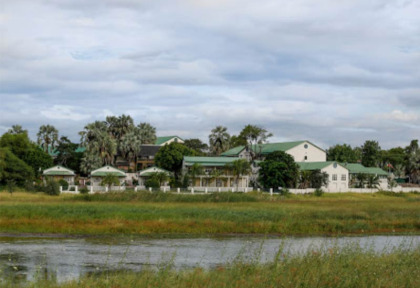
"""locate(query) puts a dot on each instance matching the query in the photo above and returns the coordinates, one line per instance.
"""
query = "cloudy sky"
(327, 71)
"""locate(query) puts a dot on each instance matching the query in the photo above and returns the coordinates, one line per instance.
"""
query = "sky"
(327, 71)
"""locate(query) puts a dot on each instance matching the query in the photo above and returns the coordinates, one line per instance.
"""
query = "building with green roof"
(96, 176)
(216, 172)
(301, 151)
(163, 140)
(58, 173)
(338, 175)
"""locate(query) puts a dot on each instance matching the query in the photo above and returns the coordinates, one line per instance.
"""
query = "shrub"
(72, 188)
(52, 188)
(284, 192)
(84, 190)
(29, 186)
(135, 182)
(152, 182)
(64, 183)
(318, 192)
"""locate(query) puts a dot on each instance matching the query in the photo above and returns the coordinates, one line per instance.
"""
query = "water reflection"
(65, 259)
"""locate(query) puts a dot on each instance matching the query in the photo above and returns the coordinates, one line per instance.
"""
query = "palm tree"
(47, 136)
(255, 136)
(413, 160)
(130, 146)
(239, 167)
(119, 126)
(160, 177)
(194, 171)
(90, 162)
(216, 174)
(305, 179)
(361, 179)
(372, 181)
(147, 133)
(110, 179)
(219, 140)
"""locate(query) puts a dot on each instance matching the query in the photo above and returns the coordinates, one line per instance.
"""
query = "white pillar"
(77, 189)
(106, 188)
(219, 189)
(150, 189)
(61, 189)
(246, 190)
(164, 189)
(178, 190)
(258, 190)
(91, 188)
(271, 191)
(192, 190)
(135, 189)
(205, 190)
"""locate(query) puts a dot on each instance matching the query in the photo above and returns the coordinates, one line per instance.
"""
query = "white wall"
(338, 185)
(313, 153)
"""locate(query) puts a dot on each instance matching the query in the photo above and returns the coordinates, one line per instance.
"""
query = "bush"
(318, 192)
(29, 186)
(152, 182)
(64, 183)
(52, 188)
(135, 182)
(284, 192)
(72, 188)
(84, 190)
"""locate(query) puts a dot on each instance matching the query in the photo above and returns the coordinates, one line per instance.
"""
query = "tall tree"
(239, 168)
(47, 137)
(371, 152)
(170, 157)
(254, 136)
(194, 171)
(219, 140)
(278, 170)
(13, 168)
(342, 153)
(147, 133)
(90, 162)
(198, 146)
(131, 145)
(67, 155)
(17, 129)
(413, 161)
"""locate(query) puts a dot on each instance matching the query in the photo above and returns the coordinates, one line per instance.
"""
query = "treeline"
(403, 162)
(118, 137)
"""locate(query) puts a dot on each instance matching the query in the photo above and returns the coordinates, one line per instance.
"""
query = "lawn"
(142, 213)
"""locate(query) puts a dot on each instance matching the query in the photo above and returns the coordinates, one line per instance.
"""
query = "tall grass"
(348, 267)
(155, 214)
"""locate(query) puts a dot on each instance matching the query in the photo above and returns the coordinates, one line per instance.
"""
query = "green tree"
(170, 157)
(360, 180)
(372, 181)
(255, 136)
(160, 178)
(18, 144)
(342, 153)
(194, 171)
(216, 175)
(147, 133)
(239, 168)
(131, 145)
(17, 129)
(236, 141)
(67, 155)
(47, 137)
(14, 168)
(219, 140)
(278, 170)
(37, 159)
(197, 145)
(318, 179)
(371, 152)
(90, 162)
(110, 179)
(413, 161)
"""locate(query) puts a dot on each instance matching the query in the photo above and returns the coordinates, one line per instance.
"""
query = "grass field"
(142, 213)
(348, 267)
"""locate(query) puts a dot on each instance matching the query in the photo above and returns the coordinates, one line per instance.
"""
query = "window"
(343, 177)
(334, 177)
(305, 146)
(306, 157)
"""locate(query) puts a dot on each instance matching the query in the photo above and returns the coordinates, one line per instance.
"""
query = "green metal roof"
(152, 172)
(234, 151)
(356, 168)
(57, 171)
(80, 149)
(314, 165)
(209, 161)
(117, 172)
(268, 147)
(163, 139)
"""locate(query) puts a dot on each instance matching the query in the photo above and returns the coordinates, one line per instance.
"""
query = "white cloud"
(64, 112)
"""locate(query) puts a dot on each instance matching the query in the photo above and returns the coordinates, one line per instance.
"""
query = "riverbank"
(349, 266)
(186, 215)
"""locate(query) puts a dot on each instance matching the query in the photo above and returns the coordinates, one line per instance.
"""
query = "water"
(65, 259)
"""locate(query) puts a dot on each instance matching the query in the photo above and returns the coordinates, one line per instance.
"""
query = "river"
(64, 259)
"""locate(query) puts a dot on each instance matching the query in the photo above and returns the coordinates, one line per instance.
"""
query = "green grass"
(347, 267)
(213, 214)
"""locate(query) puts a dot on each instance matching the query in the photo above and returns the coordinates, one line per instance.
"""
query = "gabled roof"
(315, 165)
(209, 161)
(163, 139)
(58, 170)
(356, 168)
(148, 150)
(103, 171)
(268, 147)
(151, 170)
